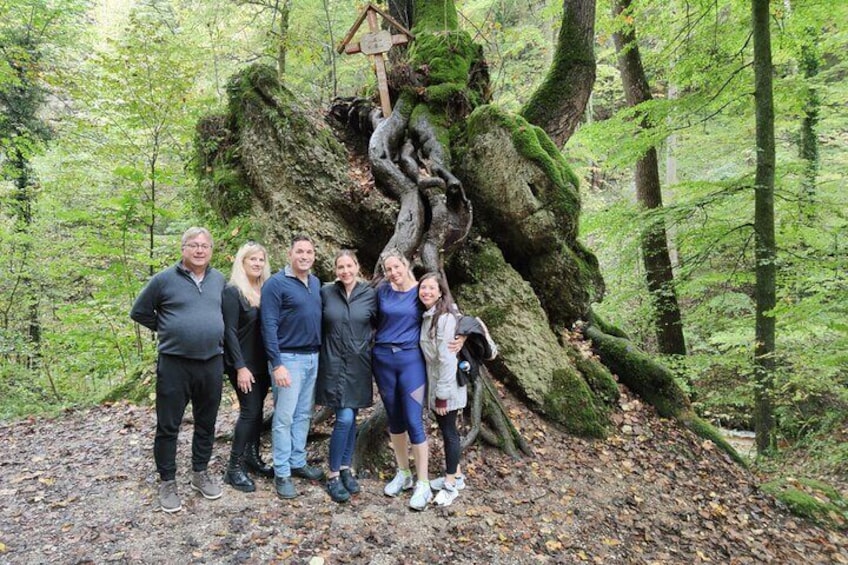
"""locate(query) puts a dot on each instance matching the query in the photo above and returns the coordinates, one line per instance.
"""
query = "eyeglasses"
(196, 246)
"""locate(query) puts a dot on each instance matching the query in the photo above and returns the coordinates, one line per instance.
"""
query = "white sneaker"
(421, 496)
(439, 483)
(446, 496)
(401, 482)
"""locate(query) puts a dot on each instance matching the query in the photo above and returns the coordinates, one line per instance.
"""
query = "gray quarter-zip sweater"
(187, 316)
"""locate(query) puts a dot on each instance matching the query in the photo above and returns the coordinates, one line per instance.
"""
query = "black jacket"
(243, 332)
(347, 326)
(479, 346)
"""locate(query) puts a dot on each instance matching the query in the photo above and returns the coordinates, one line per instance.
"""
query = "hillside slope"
(82, 489)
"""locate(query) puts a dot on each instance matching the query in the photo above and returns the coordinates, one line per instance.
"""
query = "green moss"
(487, 262)
(435, 15)
(533, 143)
(495, 316)
(569, 402)
(447, 57)
(606, 327)
(640, 372)
(139, 388)
(437, 122)
(598, 377)
(810, 499)
(704, 429)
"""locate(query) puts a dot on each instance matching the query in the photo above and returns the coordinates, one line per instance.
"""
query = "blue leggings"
(401, 380)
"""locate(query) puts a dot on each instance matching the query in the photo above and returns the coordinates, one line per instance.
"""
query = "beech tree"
(653, 241)
(765, 246)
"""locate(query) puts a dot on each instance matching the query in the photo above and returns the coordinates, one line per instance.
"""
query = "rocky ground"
(82, 489)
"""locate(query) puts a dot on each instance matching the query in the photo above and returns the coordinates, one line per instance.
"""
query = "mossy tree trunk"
(765, 245)
(558, 104)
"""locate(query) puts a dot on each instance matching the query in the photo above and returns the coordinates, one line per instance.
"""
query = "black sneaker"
(307, 472)
(285, 487)
(337, 490)
(349, 481)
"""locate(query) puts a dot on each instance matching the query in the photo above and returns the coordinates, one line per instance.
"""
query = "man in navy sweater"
(291, 330)
(182, 304)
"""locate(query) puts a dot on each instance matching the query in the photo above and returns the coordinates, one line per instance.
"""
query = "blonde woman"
(246, 365)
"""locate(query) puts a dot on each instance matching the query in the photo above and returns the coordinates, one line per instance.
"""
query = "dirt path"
(82, 489)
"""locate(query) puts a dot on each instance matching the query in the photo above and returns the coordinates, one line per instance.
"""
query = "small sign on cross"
(376, 43)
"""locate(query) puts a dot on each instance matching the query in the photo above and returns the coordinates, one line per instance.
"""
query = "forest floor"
(81, 488)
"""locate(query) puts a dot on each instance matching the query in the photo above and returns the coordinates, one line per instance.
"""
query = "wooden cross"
(376, 43)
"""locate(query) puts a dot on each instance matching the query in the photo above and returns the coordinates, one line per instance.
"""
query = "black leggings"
(249, 423)
(450, 435)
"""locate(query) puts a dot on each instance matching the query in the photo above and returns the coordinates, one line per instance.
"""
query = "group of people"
(308, 344)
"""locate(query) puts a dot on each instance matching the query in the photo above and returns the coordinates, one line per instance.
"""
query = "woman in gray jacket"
(348, 317)
(446, 396)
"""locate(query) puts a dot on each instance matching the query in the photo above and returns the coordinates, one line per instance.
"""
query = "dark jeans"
(343, 439)
(450, 435)
(249, 423)
(178, 381)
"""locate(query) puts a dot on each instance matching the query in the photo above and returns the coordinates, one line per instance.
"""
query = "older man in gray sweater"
(182, 304)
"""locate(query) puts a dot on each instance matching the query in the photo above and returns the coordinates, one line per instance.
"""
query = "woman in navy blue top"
(401, 376)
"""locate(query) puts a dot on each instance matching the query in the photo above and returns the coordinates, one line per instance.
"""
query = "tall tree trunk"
(654, 243)
(765, 253)
(809, 147)
(282, 40)
(23, 225)
(557, 105)
(331, 51)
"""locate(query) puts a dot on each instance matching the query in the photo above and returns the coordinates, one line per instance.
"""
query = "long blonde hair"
(394, 253)
(238, 276)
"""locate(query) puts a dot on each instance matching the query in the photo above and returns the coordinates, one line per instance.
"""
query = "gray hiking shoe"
(169, 500)
(205, 485)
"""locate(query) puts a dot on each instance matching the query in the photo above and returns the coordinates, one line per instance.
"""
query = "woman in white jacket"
(446, 396)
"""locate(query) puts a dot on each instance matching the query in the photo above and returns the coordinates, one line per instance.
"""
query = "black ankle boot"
(255, 464)
(237, 478)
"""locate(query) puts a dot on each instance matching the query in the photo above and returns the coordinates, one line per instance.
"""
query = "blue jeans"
(293, 412)
(343, 439)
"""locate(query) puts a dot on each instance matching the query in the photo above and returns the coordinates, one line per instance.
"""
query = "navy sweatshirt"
(291, 315)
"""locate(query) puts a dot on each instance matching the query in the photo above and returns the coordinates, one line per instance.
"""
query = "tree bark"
(809, 146)
(654, 242)
(766, 251)
(282, 40)
(558, 104)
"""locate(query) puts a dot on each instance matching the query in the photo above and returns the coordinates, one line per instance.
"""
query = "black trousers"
(178, 381)
(249, 423)
(450, 435)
